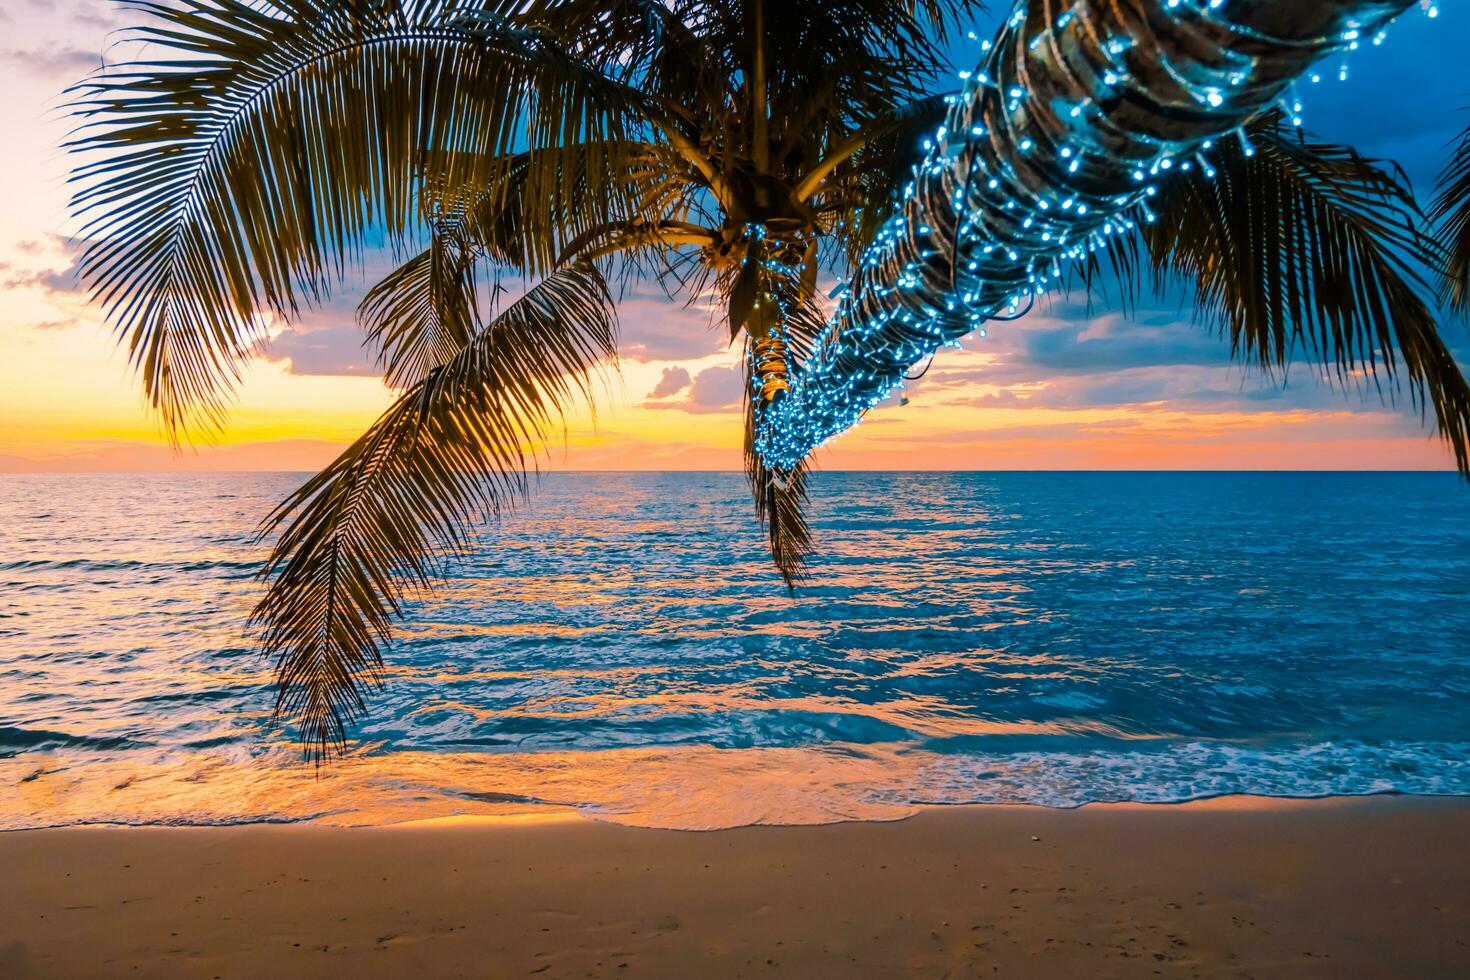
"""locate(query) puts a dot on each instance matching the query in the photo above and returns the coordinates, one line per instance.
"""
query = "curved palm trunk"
(776, 338)
(1078, 108)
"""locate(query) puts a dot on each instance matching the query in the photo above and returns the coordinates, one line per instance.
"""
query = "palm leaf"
(859, 191)
(233, 174)
(424, 312)
(1451, 216)
(1302, 246)
(539, 201)
(374, 526)
(780, 504)
(780, 498)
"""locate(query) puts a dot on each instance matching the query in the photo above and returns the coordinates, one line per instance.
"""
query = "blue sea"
(622, 649)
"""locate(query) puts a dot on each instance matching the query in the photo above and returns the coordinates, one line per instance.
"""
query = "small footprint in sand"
(409, 938)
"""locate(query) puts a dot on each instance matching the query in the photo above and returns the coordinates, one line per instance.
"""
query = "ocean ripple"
(623, 649)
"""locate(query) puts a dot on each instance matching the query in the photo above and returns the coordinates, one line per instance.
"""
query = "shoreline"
(548, 812)
(1365, 886)
(694, 786)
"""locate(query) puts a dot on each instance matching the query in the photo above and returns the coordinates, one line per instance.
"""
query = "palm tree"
(1071, 128)
(727, 148)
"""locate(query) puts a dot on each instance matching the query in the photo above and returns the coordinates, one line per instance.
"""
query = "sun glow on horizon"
(1066, 388)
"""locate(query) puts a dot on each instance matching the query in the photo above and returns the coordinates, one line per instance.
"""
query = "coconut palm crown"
(728, 149)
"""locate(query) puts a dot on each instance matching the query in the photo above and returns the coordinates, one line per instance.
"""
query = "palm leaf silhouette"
(425, 311)
(234, 176)
(1451, 214)
(450, 453)
(1297, 247)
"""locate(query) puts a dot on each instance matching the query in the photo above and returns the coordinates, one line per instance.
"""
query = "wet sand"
(1235, 888)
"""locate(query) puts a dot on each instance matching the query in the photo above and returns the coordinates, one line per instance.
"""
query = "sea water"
(621, 647)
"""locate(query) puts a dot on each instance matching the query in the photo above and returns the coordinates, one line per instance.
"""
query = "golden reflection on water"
(686, 787)
(963, 638)
(928, 716)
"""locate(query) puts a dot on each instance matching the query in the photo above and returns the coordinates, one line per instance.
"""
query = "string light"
(1022, 177)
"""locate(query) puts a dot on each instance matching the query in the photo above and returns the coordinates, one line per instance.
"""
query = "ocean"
(621, 648)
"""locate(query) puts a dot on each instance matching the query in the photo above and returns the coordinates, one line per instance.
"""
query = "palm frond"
(780, 506)
(1451, 216)
(867, 187)
(362, 535)
(424, 312)
(1303, 247)
(780, 499)
(231, 175)
(539, 201)
(636, 235)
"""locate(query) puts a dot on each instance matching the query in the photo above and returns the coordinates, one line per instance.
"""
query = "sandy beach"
(1231, 888)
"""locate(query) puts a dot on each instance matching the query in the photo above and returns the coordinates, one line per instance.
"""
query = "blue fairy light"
(974, 236)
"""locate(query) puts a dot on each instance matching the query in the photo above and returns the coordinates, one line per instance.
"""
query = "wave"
(1048, 639)
(1197, 770)
(704, 788)
(16, 740)
(123, 564)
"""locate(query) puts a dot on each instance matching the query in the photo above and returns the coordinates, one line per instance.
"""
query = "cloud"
(716, 389)
(1005, 398)
(654, 327)
(1155, 359)
(103, 17)
(324, 342)
(53, 60)
(332, 351)
(49, 280)
(1071, 341)
(1067, 357)
(674, 380)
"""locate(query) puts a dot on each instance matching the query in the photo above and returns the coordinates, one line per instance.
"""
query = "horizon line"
(739, 472)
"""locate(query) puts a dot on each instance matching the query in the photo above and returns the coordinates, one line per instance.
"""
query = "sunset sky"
(1061, 389)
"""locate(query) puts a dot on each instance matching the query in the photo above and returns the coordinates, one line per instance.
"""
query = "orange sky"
(1059, 390)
